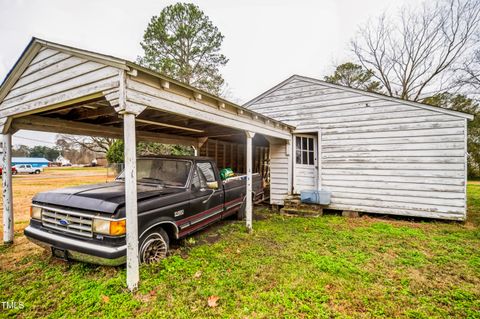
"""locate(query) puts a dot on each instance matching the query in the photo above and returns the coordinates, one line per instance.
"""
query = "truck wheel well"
(170, 229)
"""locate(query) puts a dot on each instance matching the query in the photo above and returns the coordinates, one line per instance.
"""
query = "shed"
(34, 161)
(61, 89)
(374, 153)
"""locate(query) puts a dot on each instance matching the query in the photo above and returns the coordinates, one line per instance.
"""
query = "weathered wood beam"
(72, 127)
(8, 232)
(166, 101)
(249, 190)
(96, 113)
(133, 274)
(169, 125)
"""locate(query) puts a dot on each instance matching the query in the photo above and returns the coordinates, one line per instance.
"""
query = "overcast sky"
(266, 41)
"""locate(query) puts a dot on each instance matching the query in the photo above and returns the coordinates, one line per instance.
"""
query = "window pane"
(304, 143)
(196, 180)
(207, 170)
(298, 143)
(310, 144)
(305, 157)
(310, 158)
(168, 172)
(299, 157)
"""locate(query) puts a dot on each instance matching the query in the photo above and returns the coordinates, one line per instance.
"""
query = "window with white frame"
(305, 151)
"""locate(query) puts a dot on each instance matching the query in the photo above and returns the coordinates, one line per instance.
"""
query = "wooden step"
(292, 202)
(301, 212)
(305, 206)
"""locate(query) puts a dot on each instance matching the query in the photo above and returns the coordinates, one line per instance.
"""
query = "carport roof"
(36, 44)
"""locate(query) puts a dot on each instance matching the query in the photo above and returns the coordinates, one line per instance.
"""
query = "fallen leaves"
(105, 299)
(212, 301)
(198, 274)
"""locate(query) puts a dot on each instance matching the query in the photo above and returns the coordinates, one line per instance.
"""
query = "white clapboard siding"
(396, 172)
(305, 177)
(54, 77)
(34, 67)
(395, 140)
(279, 184)
(394, 118)
(377, 155)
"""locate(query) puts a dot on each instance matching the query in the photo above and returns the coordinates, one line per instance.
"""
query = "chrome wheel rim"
(154, 249)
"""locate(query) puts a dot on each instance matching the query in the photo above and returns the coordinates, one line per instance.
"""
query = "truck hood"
(105, 197)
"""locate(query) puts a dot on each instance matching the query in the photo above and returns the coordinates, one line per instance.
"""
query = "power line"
(33, 140)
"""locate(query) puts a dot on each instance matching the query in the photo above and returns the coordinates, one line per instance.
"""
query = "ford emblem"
(64, 222)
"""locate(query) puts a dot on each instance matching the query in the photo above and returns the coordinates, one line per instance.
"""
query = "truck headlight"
(109, 227)
(36, 212)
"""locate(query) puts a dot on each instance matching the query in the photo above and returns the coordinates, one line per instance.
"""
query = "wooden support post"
(291, 164)
(238, 159)
(248, 206)
(319, 160)
(224, 154)
(233, 162)
(7, 190)
(131, 200)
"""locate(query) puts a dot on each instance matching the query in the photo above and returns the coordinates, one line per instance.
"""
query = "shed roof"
(373, 94)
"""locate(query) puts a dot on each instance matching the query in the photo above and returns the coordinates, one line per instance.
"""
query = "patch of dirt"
(21, 248)
(24, 188)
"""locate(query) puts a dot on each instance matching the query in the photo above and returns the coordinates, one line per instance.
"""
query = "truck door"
(206, 204)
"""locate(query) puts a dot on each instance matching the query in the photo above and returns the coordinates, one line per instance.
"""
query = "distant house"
(34, 161)
(63, 161)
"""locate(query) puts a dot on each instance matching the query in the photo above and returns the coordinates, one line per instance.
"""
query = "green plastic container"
(226, 173)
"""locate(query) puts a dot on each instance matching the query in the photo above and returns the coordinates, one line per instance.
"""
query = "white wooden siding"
(279, 178)
(378, 155)
(54, 77)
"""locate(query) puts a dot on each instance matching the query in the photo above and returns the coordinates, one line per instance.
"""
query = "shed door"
(305, 173)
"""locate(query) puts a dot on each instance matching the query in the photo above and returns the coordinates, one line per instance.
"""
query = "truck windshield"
(167, 172)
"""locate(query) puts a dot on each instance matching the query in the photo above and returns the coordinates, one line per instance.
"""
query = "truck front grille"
(69, 222)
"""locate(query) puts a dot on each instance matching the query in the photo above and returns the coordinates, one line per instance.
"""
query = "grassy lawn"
(290, 267)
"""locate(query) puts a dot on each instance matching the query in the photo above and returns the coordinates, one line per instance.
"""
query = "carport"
(60, 89)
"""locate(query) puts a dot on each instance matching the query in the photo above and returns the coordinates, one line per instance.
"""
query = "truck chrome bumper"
(78, 249)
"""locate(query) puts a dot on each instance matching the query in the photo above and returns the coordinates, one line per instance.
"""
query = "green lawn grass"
(290, 267)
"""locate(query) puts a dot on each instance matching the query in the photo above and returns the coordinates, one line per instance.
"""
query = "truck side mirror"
(212, 185)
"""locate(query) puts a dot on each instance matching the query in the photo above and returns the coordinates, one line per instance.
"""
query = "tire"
(37, 171)
(241, 214)
(153, 246)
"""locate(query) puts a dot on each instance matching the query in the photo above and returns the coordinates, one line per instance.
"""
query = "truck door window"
(198, 181)
(207, 170)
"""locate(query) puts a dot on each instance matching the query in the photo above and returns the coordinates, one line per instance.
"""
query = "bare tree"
(91, 143)
(470, 76)
(417, 52)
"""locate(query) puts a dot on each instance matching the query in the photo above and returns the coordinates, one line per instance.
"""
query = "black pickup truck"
(176, 197)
